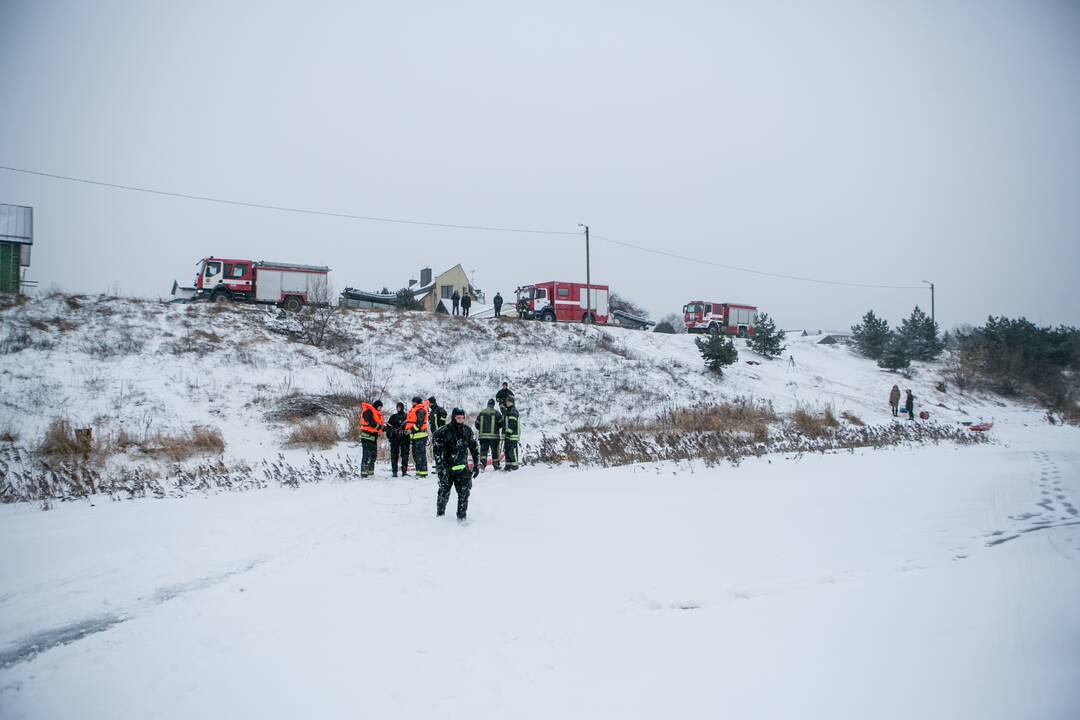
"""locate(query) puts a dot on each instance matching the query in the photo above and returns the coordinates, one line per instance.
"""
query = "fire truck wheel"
(547, 316)
(714, 329)
(221, 296)
(293, 303)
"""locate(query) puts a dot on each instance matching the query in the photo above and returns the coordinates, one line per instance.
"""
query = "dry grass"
(813, 425)
(322, 433)
(9, 435)
(739, 415)
(62, 440)
(199, 440)
(853, 419)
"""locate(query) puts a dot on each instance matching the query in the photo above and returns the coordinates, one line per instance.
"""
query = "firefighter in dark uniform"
(489, 430)
(452, 446)
(436, 413)
(371, 424)
(399, 441)
(500, 397)
(522, 308)
(416, 427)
(511, 434)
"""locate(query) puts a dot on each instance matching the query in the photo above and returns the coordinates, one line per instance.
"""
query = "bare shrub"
(322, 432)
(9, 435)
(740, 415)
(319, 319)
(853, 419)
(812, 425)
(60, 441)
(199, 440)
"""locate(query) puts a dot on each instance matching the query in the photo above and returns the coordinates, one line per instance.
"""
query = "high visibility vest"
(369, 432)
(512, 427)
(416, 430)
(487, 422)
(437, 420)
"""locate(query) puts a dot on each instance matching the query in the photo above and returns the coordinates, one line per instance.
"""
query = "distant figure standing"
(522, 309)
(894, 400)
(497, 302)
(466, 303)
(502, 395)
(399, 442)
(456, 300)
(909, 405)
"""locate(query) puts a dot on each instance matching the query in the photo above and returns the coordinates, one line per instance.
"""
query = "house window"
(447, 291)
(563, 292)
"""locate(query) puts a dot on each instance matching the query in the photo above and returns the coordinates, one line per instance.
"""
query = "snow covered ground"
(925, 581)
(937, 582)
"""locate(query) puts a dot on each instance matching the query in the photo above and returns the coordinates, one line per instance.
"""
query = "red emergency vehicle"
(716, 318)
(287, 284)
(564, 302)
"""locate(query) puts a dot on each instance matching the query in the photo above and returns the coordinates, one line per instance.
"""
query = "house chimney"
(425, 276)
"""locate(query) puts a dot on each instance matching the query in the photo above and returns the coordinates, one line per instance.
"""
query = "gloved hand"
(476, 470)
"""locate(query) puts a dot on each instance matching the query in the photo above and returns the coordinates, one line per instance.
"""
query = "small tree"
(664, 327)
(920, 336)
(871, 336)
(718, 352)
(895, 356)
(405, 300)
(676, 322)
(319, 318)
(767, 341)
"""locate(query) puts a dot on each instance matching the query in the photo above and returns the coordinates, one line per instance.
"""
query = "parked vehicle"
(288, 285)
(565, 302)
(716, 318)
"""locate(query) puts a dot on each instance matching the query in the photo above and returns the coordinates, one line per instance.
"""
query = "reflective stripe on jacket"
(511, 426)
(489, 424)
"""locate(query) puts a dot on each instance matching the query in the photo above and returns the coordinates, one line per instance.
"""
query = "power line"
(752, 271)
(282, 208)
(400, 221)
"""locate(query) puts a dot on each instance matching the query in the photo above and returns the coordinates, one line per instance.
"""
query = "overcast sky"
(876, 143)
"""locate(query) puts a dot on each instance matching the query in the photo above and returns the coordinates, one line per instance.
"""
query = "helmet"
(456, 412)
(417, 400)
(491, 402)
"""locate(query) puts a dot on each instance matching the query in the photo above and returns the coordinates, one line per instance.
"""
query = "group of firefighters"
(453, 442)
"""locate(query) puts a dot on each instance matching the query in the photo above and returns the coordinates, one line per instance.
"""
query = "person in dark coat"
(466, 303)
(497, 302)
(489, 429)
(894, 400)
(522, 308)
(456, 300)
(399, 441)
(511, 434)
(909, 405)
(436, 414)
(452, 446)
(500, 397)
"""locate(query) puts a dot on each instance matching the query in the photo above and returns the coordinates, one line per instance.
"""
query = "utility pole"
(932, 319)
(588, 277)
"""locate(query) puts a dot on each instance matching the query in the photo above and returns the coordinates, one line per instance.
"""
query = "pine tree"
(871, 335)
(767, 341)
(895, 355)
(718, 351)
(920, 336)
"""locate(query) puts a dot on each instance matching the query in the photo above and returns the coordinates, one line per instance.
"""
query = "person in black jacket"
(399, 441)
(909, 405)
(452, 446)
(436, 413)
(466, 303)
(500, 397)
(489, 429)
(511, 435)
(497, 302)
(456, 300)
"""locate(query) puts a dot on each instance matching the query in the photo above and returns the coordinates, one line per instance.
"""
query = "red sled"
(981, 427)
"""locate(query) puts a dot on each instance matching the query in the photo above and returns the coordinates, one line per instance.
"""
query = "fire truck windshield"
(692, 308)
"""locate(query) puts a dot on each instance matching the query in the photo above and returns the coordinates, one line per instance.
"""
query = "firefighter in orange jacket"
(371, 424)
(416, 426)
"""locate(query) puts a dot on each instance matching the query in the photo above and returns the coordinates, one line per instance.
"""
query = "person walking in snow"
(909, 405)
(466, 303)
(506, 392)
(894, 400)
(511, 434)
(416, 427)
(371, 424)
(489, 429)
(497, 302)
(455, 299)
(399, 441)
(452, 446)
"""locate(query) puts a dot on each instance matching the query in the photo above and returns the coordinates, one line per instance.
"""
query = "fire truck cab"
(564, 302)
(716, 318)
(286, 284)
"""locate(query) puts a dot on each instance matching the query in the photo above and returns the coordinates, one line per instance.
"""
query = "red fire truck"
(564, 302)
(715, 318)
(287, 284)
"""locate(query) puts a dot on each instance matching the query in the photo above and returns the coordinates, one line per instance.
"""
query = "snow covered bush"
(718, 352)
(767, 341)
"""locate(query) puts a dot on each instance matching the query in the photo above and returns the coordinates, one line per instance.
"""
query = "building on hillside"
(16, 238)
(434, 292)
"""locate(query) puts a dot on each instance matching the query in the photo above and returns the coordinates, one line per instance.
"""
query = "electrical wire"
(751, 270)
(283, 208)
(455, 226)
